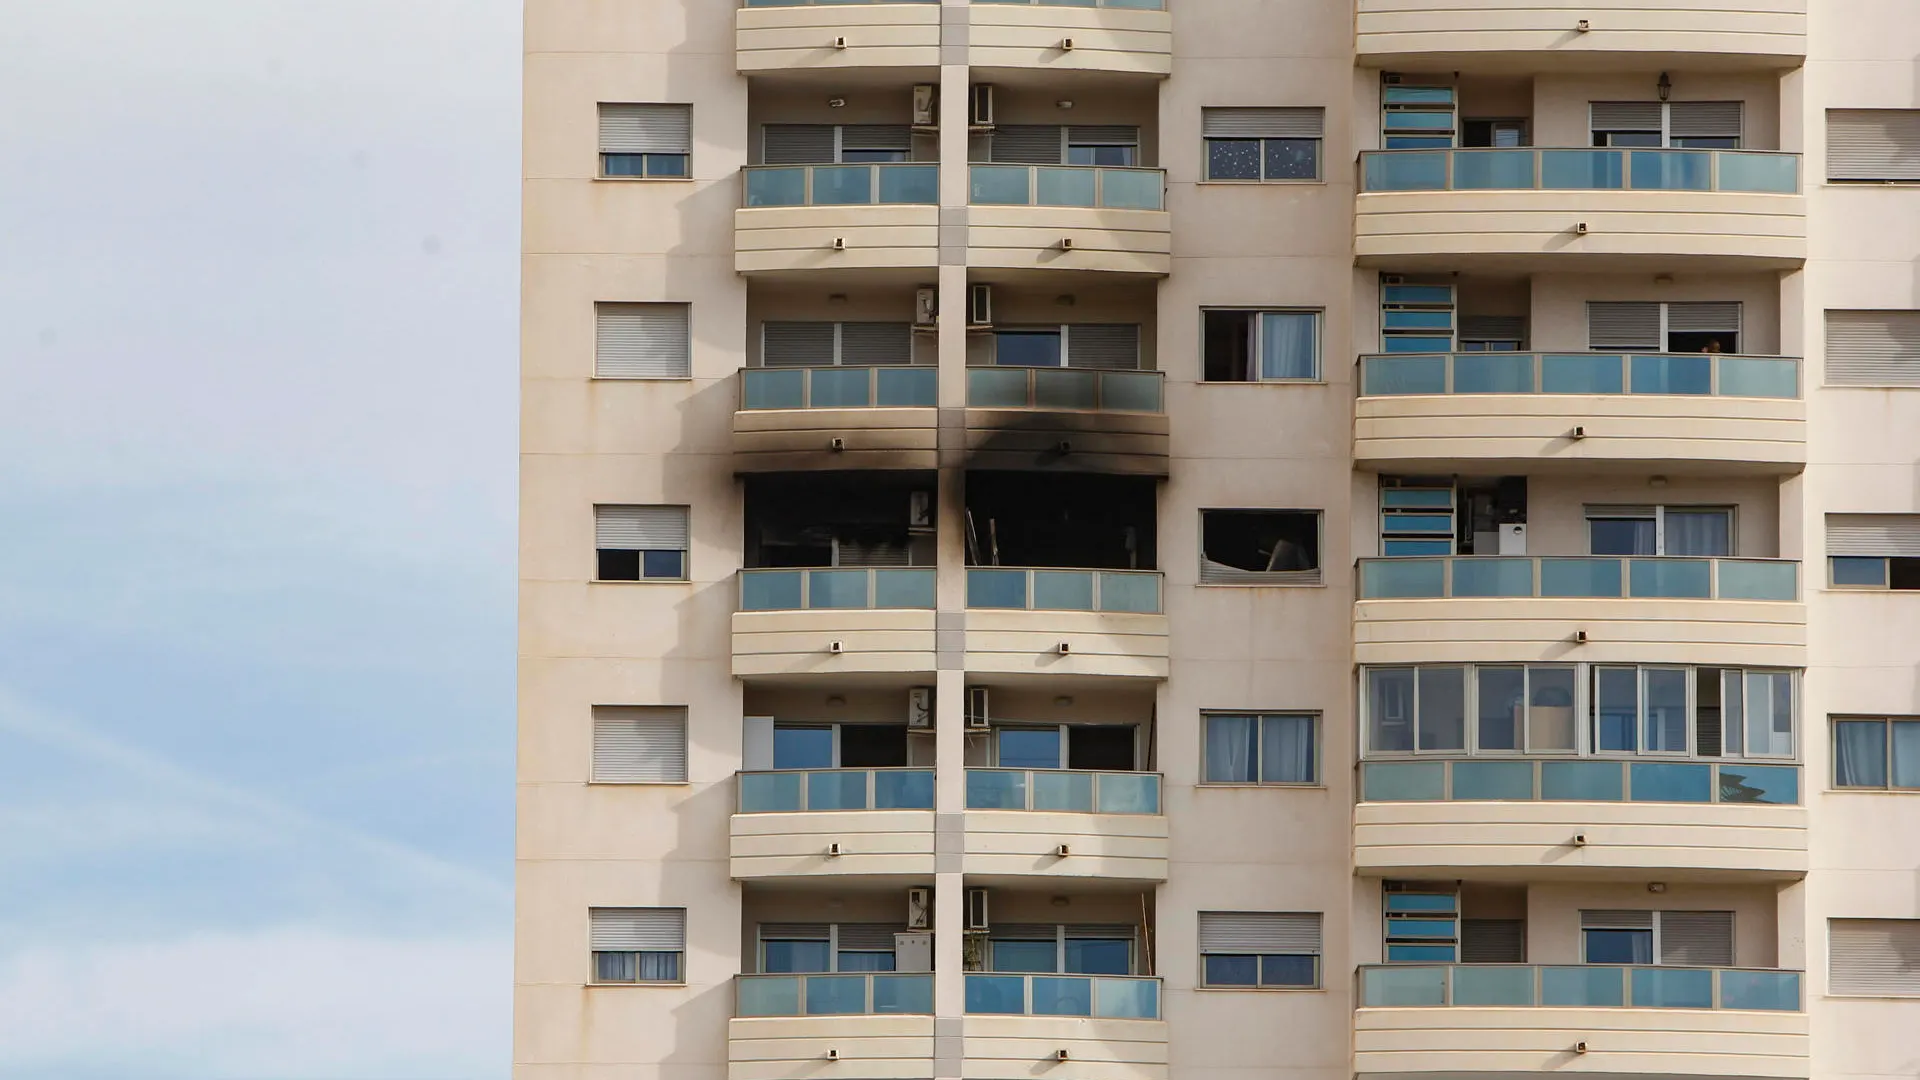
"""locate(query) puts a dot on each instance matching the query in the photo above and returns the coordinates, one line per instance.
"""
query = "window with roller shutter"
(640, 543)
(827, 144)
(1873, 957)
(649, 141)
(642, 341)
(1873, 348)
(635, 744)
(1873, 551)
(830, 344)
(1668, 938)
(638, 945)
(1657, 326)
(1873, 145)
(1258, 949)
(1699, 125)
(1262, 144)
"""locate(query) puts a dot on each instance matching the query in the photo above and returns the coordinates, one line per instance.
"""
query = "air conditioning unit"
(980, 106)
(978, 718)
(979, 305)
(924, 102)
(977, 909)
(919, 509)
(919, 908)
(926, 307)
(920, 707)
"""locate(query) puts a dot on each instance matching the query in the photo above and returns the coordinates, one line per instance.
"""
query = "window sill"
(644, 378)
(1870, 791)
(640, 783)
(1260, 183)
(641, 581)
(646, 179)
(1259, 585)
(1260, 989)
(1260, 787)
(1262, 382)
(635, 985)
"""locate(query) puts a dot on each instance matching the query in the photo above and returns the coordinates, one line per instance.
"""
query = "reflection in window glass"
(1619, 946)
(1502, 697)
(1443, 708)
(802, 747)
(1389, 709)
(1099, 956)
(1616, 709)
(1029, 748)
(1550, 718)
(1026, 956)
(1769, 713)
(1666, 712)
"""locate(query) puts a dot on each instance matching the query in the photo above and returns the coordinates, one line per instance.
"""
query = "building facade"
(1128, 539)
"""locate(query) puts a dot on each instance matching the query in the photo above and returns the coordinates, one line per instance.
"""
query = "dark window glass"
(1233, 971)
(1619, 946)
(1233, 159)
(873, 746)
(1293, 159)
(1288, 971)
(664, 564)
(802, 748)
(1027, 348)
(619, 565)
(1099, 956)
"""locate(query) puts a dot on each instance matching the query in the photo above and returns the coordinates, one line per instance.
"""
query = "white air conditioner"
(977, 909)
(920, 707)
(919, 509)
(980, 106)
(919, 908)
(977, 716)
(923, 105)
(926, 307)
(979, 305)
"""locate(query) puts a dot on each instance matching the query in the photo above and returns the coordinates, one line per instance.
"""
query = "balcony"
(1109, 823)
(880, 1024)
(1469, 1019)
(1533, 413)
(1596, 609)
(829, 822)
(1105, 1025)
(802, 419)
(795, 36)
(1587, 210)
(1067, 420)
(1497, 818)
(838, 217)
(1066, 217)
(1124, 37)
(836, 621)
(1532, 36)
(1065, 622)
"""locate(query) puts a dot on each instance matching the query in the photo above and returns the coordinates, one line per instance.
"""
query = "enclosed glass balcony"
(1546, 169)
(1063, 791)
(1065, 388)
(1679, 374)
(774, 792)
(873, 993)
(843, 185)
(839, 388)
(1577, 986)
(1067, 185)
(1591, 780)
(1101, 996)
(836, 589)
(1134, 591)
(1579, 577)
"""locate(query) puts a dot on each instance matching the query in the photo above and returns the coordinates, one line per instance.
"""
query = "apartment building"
(1128, 539)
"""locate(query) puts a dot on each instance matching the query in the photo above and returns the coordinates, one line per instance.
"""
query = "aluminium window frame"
(1317, 726)
(832, 939)
(1255, 334)
(1659, 942)
(1135, 954)
(1319, 159)
(1666, 126)
(1660, 511)
(1886, 722)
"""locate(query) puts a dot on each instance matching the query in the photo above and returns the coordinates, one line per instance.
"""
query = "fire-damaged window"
(1083, 522)
(1260, 547)
(840, 519)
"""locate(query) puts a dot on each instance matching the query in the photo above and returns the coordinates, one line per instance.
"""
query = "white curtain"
(1698, 532)
(1230, 749)
(1286, 749)
(1859, 753)
(1288, 346)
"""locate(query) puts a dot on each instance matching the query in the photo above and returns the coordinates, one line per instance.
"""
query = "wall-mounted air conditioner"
(919, 908)
(926, 307)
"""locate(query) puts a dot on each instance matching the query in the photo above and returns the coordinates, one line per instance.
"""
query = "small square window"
(1260, 547)
(1273, 748)
(645, 140)
(640, 543)
(1260, 346)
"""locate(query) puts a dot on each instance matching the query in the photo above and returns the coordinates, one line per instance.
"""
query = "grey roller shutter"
(641, 341)
(1703, 119)
(1873, 348)
(1493, 941)
(1024, 932)
(639, 745)
(796, 144)
(875, 343)
(1873, 144)
(638, 929)
(1493, 327)
(1625, 115)
(640, 528)
(1110, 346)
(1696, 938)
(869, 937)
(1874, 535)
(787, 931)
(862, 552)
(1100, 930)
(646, 129)
(1704, 317)
(1616, 919)
(1629, 325)
(1027, 144)
(1873, 957)
(1103, 135)
(1263, 123)
(796, 344)
(1241, 932)
(894, 137)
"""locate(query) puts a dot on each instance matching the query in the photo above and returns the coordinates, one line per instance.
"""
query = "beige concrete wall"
(1109, 847)
(1734, 633)
(1541, 36)
(1104, 39)
(803, 39)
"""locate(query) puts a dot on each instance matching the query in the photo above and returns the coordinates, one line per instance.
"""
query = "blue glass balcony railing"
(915, 183)
(794, 791)
(1136, 591)
(1589, 169)
(825, 3)
(1067, 185)
(1065, 388)
(1581, 986)
(893, 387)
(1068, 791)
(1580, 576)
(1137, 5)
(836, 589)
(1502, 779)
(864, 994)
(1114, 997)
(1679, 374)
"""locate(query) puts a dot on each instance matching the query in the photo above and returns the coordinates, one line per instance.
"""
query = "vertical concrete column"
(1791, 912)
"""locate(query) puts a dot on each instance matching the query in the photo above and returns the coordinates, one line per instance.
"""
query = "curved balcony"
(1531, 36)
(880, 1024)
(829, 822)
(1498, 818)
(1530, 413)
(834, 621)
(1123, 37)
(1066, 420)
(838, 217)
(1108, 1026)
(1110, 824)
(1069, 217)
(1065, 622)
(1597, 609)
(1531, 210)
(1481, 1019)
(803, 419)
(796, 36)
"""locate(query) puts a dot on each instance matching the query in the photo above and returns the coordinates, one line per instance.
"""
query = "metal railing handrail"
(1536, 576)
(875, 373)
(1626, 156)
(867, 979)
(1094, 807)
(1096, 575)
(806, 584)
(805, 791)
(1537, 989)
(1099, 173)
(1093, 1009)
(1097, 376)
(1538, 360)
(807, 193)
(1448, 761)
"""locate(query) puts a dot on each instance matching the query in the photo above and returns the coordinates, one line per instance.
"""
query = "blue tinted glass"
(1422, 928)
(1403, 522)
(1421, 902)
(903, 790)
(1619, 946)
(1041, 956)
(1288, 971)
(1416, 320)
(1384, 375)
(663, 564)
(1671, 170)
(1423, 781)
(763, 590)
(996, 994)
(1582, 169)
(1779, 784)
(996, 588)
(791, 957)
(1487, 780)
(1404, 548)
(1062, 997)
(1848, 570)
(1401, 497)
(1671, 989)
(836, 995)
(1563, 986)
(623, 164)
(1664, 374)
(1575, 374)
(1581, 781)
(1232, 970)
(1420, 954)
(1502, 374)
(903, 994)
(763, 793)
(837, 790)
(1022, 748)
(1659, 782)
(988, 790)
(802, 748)
(1099, 956)
(1419, 170)
(1026, 348)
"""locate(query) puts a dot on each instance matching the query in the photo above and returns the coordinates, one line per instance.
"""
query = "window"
(1260, 346)
(1416, 521)
(635, 744)
(1873, 957)
(1492, 333)
(1112, 346)
(813, 948)
(1874, 551)
(1876, 753)
(1671, 938)
(1263, 144)
(653, 141)
(829, 344)
(1260, 547)
(1265, 748)
(839, 746)
(1495, 133)
(638, 945)
(1246, 949)
(1873, 145)
(1415, 316)
(1651, 326)
(825, 144)
(1042, 948)
(1873, 348)
(1056, 144)
(1702, 125)
(641, 543)
(1422, 922)
(641, 341)
(1416, 117)
(1660, 530)
(1092, 747)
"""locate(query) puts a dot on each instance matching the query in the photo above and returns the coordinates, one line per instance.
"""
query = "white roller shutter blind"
(1704, 118)
(1696, 938)
(1616, 919)
(1873, 144)
(639, 929)
(875, 343)
(869, 937)
(797, 144)
(796, 344)
(1027, 144)
(641, 341)
(640, 528)
(896, 137)
(1874, 535)
(1873, 957)
(1631, 324)
(1242, 932)
(1493, 941)
(635, 744)
(1704, 316)
(1110, 346)
(646, 129)
(1873, 348)
(1104, 135)
(1263, 123)
(1625, 115)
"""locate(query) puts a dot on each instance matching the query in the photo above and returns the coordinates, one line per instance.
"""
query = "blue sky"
(257, 423)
